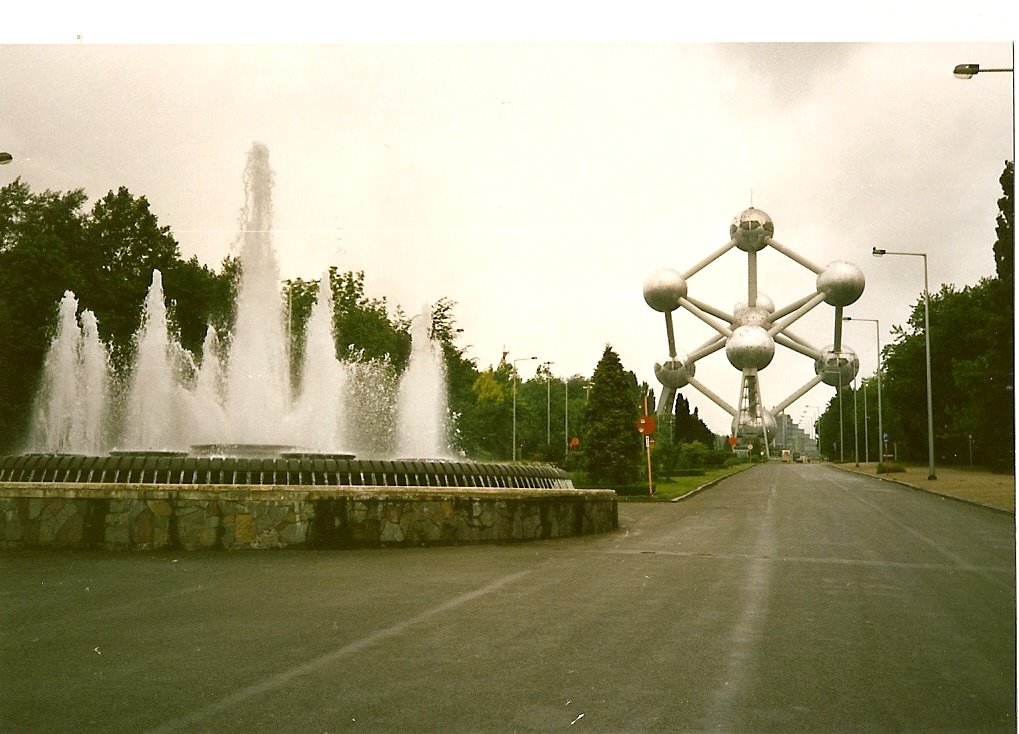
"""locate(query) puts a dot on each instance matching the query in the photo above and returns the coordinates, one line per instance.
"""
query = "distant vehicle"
(787, 457)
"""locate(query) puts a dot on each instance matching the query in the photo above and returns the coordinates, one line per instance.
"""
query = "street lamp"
(522, 359)
(566, 416)
(880, 425)
(968, 71)
(548, 401)
(927, 346)
(856, 428)
(866, 427)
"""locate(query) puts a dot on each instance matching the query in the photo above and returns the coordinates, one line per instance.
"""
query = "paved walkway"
(973, 485)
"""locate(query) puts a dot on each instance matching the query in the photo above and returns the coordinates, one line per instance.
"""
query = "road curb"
(712, 483)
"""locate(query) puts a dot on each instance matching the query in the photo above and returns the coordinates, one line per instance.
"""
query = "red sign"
(732, 440)
(646, 425)
(574, 442)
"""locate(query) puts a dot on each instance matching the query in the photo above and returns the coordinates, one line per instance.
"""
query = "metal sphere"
(750, 426)
(841, 283)
(750, 229)
(750, 347)
(663, 289)
(758, 315)
(675, 373)
(837, 368)
(762, 301)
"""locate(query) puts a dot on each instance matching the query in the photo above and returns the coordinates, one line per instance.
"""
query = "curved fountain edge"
(176, 516)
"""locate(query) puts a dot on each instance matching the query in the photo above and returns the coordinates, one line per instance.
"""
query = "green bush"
(888, 468)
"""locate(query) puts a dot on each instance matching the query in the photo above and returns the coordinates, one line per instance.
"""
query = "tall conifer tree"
(612, 444)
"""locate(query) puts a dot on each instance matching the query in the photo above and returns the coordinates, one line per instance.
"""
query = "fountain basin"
(142, 501)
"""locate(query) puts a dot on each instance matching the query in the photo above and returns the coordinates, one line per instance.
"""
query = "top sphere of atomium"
(664, 289)
(751, 229)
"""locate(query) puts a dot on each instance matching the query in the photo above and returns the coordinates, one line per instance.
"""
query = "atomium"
(750, 334)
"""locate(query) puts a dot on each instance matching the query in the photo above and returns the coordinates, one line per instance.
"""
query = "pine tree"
(612, 444)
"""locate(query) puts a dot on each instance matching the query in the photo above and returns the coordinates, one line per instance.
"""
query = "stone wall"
(178, 516)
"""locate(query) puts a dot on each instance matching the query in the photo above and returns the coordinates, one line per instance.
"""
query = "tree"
(688, 426)
(40, 243)
(363, 324)
(612, 444)
(1004, 246)
(461, 374)
(488, 423)
(123, 244)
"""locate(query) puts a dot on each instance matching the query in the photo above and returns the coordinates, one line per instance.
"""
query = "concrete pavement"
(786, 598)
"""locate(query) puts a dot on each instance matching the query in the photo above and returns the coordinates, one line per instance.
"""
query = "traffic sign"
(646, 425)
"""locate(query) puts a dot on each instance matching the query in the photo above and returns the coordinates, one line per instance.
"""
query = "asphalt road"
(788, 598)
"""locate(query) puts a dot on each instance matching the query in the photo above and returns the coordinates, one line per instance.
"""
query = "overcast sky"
(535, 184)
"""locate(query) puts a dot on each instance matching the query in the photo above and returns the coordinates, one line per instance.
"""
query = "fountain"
(227, 451)
(422, 428)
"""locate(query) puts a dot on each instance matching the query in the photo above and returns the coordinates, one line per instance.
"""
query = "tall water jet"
(55, 411)
(71, 404)
(94, 365)
(422, 402)
(207, 416)
(154, 421)
(257, 384)
(316, 420)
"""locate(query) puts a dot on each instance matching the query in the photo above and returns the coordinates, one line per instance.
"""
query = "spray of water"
(71, 403)
(154, 420)
(241, 395)
(257, 384)
(316, 421)
(422, 426)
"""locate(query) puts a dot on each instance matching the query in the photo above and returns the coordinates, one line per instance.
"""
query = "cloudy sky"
(538, 183)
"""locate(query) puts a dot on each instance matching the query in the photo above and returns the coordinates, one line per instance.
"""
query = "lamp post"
(856, 429)
(548, 401)
(968, 71)
(927, 347)
(866, 428)
(880, 425)
(521, 359)
(566, 415)
(842, 442)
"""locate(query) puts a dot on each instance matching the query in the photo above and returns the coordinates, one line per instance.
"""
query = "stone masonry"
(221, 517)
